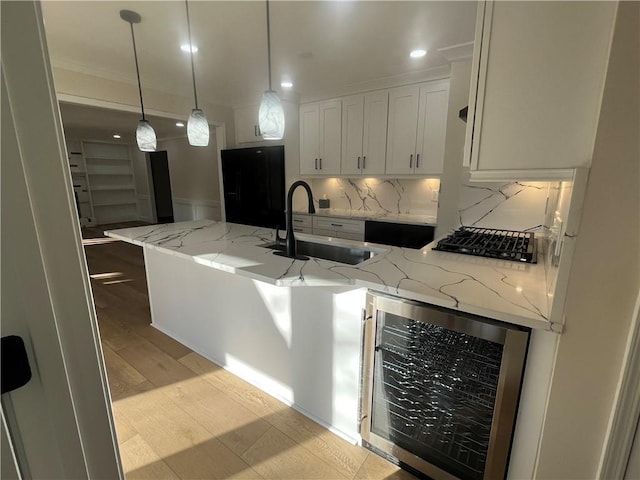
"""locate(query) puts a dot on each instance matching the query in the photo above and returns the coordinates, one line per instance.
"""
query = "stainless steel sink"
(335, 253)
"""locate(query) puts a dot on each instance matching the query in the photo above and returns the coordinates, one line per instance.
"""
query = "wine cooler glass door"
(437, 401)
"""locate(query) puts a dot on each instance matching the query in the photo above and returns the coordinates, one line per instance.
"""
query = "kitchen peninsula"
(503, 290)
(293, 328)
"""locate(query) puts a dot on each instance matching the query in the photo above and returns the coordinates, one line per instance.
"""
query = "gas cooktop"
(492, 243)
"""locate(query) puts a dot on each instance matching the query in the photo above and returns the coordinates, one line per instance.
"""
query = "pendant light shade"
(145, 135)
(198, 128)
(271, 113)
(271, 116)
(197, 125)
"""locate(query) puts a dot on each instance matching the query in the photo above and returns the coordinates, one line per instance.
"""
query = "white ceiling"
(321, 46)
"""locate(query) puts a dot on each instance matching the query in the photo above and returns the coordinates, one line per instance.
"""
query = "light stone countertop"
(370, 215)
(504, 290)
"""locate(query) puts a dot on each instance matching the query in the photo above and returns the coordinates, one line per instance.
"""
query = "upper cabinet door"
(402, 129)
(364, 133)
(374, 136)
(309, 138)
(330, 137)
(246, 123)
(352, 131)
(432, 128)
(540, 69)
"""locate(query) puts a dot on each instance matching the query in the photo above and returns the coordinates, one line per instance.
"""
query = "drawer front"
(301, 221)
(338, 225)
(359, 237)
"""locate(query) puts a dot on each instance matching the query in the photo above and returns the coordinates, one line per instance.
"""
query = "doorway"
(161, 185)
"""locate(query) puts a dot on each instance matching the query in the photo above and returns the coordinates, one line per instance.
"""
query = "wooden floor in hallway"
(180, 416)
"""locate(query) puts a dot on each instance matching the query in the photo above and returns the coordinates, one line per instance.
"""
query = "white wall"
(76, 87)
(194, 178)
(605, 278)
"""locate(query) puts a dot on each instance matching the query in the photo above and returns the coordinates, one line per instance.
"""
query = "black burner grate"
(489, 242)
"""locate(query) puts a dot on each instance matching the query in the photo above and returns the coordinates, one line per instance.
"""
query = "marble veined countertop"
(370, 215)
(503, 290)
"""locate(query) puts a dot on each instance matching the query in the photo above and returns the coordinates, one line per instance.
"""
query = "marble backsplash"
(505, 205)
(418, 197)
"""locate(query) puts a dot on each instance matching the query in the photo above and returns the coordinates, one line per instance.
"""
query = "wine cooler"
(440, 388)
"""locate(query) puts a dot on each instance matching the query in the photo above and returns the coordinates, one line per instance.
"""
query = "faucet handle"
(278, 239)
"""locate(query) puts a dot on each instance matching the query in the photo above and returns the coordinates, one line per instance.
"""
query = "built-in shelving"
(111, 181)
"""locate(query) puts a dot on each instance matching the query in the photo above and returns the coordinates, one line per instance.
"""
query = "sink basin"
(335, 253)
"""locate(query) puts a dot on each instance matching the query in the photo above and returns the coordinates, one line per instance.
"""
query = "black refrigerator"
(253, 180)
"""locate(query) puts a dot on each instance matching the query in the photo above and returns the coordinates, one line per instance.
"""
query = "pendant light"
(197, 125)
(145, 134)
(271, 113)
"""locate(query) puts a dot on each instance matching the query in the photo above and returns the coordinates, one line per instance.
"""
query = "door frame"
(626, 412)
(69, 377)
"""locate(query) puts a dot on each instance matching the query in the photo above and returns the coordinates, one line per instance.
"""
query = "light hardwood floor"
(180, 416)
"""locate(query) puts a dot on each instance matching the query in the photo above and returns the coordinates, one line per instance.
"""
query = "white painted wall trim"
(221, 142)
(144, 205)
(623, 421)
(123, 107)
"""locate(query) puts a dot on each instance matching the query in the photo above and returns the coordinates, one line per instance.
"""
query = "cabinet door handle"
(316, 164)
(417, 160)
(297, 220)
(320, 164)
(411, 161)
(364, 162)
(255, 130)
(73, 165)
(337, 225)
(358, 163)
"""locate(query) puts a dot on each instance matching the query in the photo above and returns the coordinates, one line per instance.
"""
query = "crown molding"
(457, 53)
(434, 73)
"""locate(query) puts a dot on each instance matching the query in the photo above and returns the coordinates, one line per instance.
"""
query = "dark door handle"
(15, 368)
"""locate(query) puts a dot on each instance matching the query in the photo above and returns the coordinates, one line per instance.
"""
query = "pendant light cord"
(193, 70)
(135, 56)
(269, 45)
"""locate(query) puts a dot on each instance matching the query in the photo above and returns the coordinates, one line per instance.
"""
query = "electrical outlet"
(435, 195)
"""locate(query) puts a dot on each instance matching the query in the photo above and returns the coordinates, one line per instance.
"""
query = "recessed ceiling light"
(286, 84)
(418, 53)
(116, 136)
(179, 124)
(186, 46)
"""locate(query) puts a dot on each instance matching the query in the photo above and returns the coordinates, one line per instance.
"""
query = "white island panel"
(301, 345)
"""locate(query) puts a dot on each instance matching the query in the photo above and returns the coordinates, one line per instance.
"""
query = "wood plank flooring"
(180, 416)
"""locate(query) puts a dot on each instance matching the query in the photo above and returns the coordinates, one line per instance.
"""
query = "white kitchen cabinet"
(339, 228)
(246, 124)
(432, 128)
(364, 133)
(329, 226)
(320, 138)
(417, 129)
(402, 129)
(538, 74)
(302, 224)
